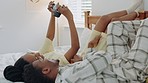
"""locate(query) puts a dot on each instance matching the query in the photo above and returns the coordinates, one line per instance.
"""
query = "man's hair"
(35, 75)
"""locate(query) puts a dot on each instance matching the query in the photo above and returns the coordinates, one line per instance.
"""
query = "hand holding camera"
(56, 13)
(57, 10)
(53, 8)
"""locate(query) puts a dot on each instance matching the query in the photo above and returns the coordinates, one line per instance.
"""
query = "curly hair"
(35, 75)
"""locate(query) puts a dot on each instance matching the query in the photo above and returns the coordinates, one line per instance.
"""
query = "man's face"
(42, 63)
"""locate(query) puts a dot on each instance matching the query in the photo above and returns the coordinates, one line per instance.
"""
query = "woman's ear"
(46, 70)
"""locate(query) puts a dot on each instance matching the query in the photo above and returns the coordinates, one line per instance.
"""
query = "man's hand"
(66, 12)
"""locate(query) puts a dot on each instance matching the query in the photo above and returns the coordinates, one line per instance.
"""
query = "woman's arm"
(51, 28)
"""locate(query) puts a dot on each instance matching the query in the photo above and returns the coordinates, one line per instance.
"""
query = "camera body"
(55, 11)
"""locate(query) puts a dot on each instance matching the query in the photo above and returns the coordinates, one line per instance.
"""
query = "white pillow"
(84, 38)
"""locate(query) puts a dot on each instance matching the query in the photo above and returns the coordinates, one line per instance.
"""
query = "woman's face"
(31, 57)
(24, 60)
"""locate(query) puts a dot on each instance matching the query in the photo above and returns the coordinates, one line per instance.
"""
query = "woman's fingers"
(93, 43)
(50, 6)
(76, 59)
(90, 44)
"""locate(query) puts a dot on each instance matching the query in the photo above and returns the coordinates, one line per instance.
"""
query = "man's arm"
(73, 32)
(74, 41)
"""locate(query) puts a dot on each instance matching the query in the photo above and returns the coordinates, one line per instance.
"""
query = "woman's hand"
(50, 6)
(76, 58)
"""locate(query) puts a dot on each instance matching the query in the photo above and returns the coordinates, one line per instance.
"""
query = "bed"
(10, 58)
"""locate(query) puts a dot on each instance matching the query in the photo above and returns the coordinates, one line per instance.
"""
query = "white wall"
(100, 7)
(21, 27)
(24, 26)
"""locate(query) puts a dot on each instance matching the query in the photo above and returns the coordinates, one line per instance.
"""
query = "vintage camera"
(55, 11)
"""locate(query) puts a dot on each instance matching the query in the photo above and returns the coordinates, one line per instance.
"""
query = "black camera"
(55, 10)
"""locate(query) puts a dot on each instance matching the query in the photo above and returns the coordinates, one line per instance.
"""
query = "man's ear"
(46, 70)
